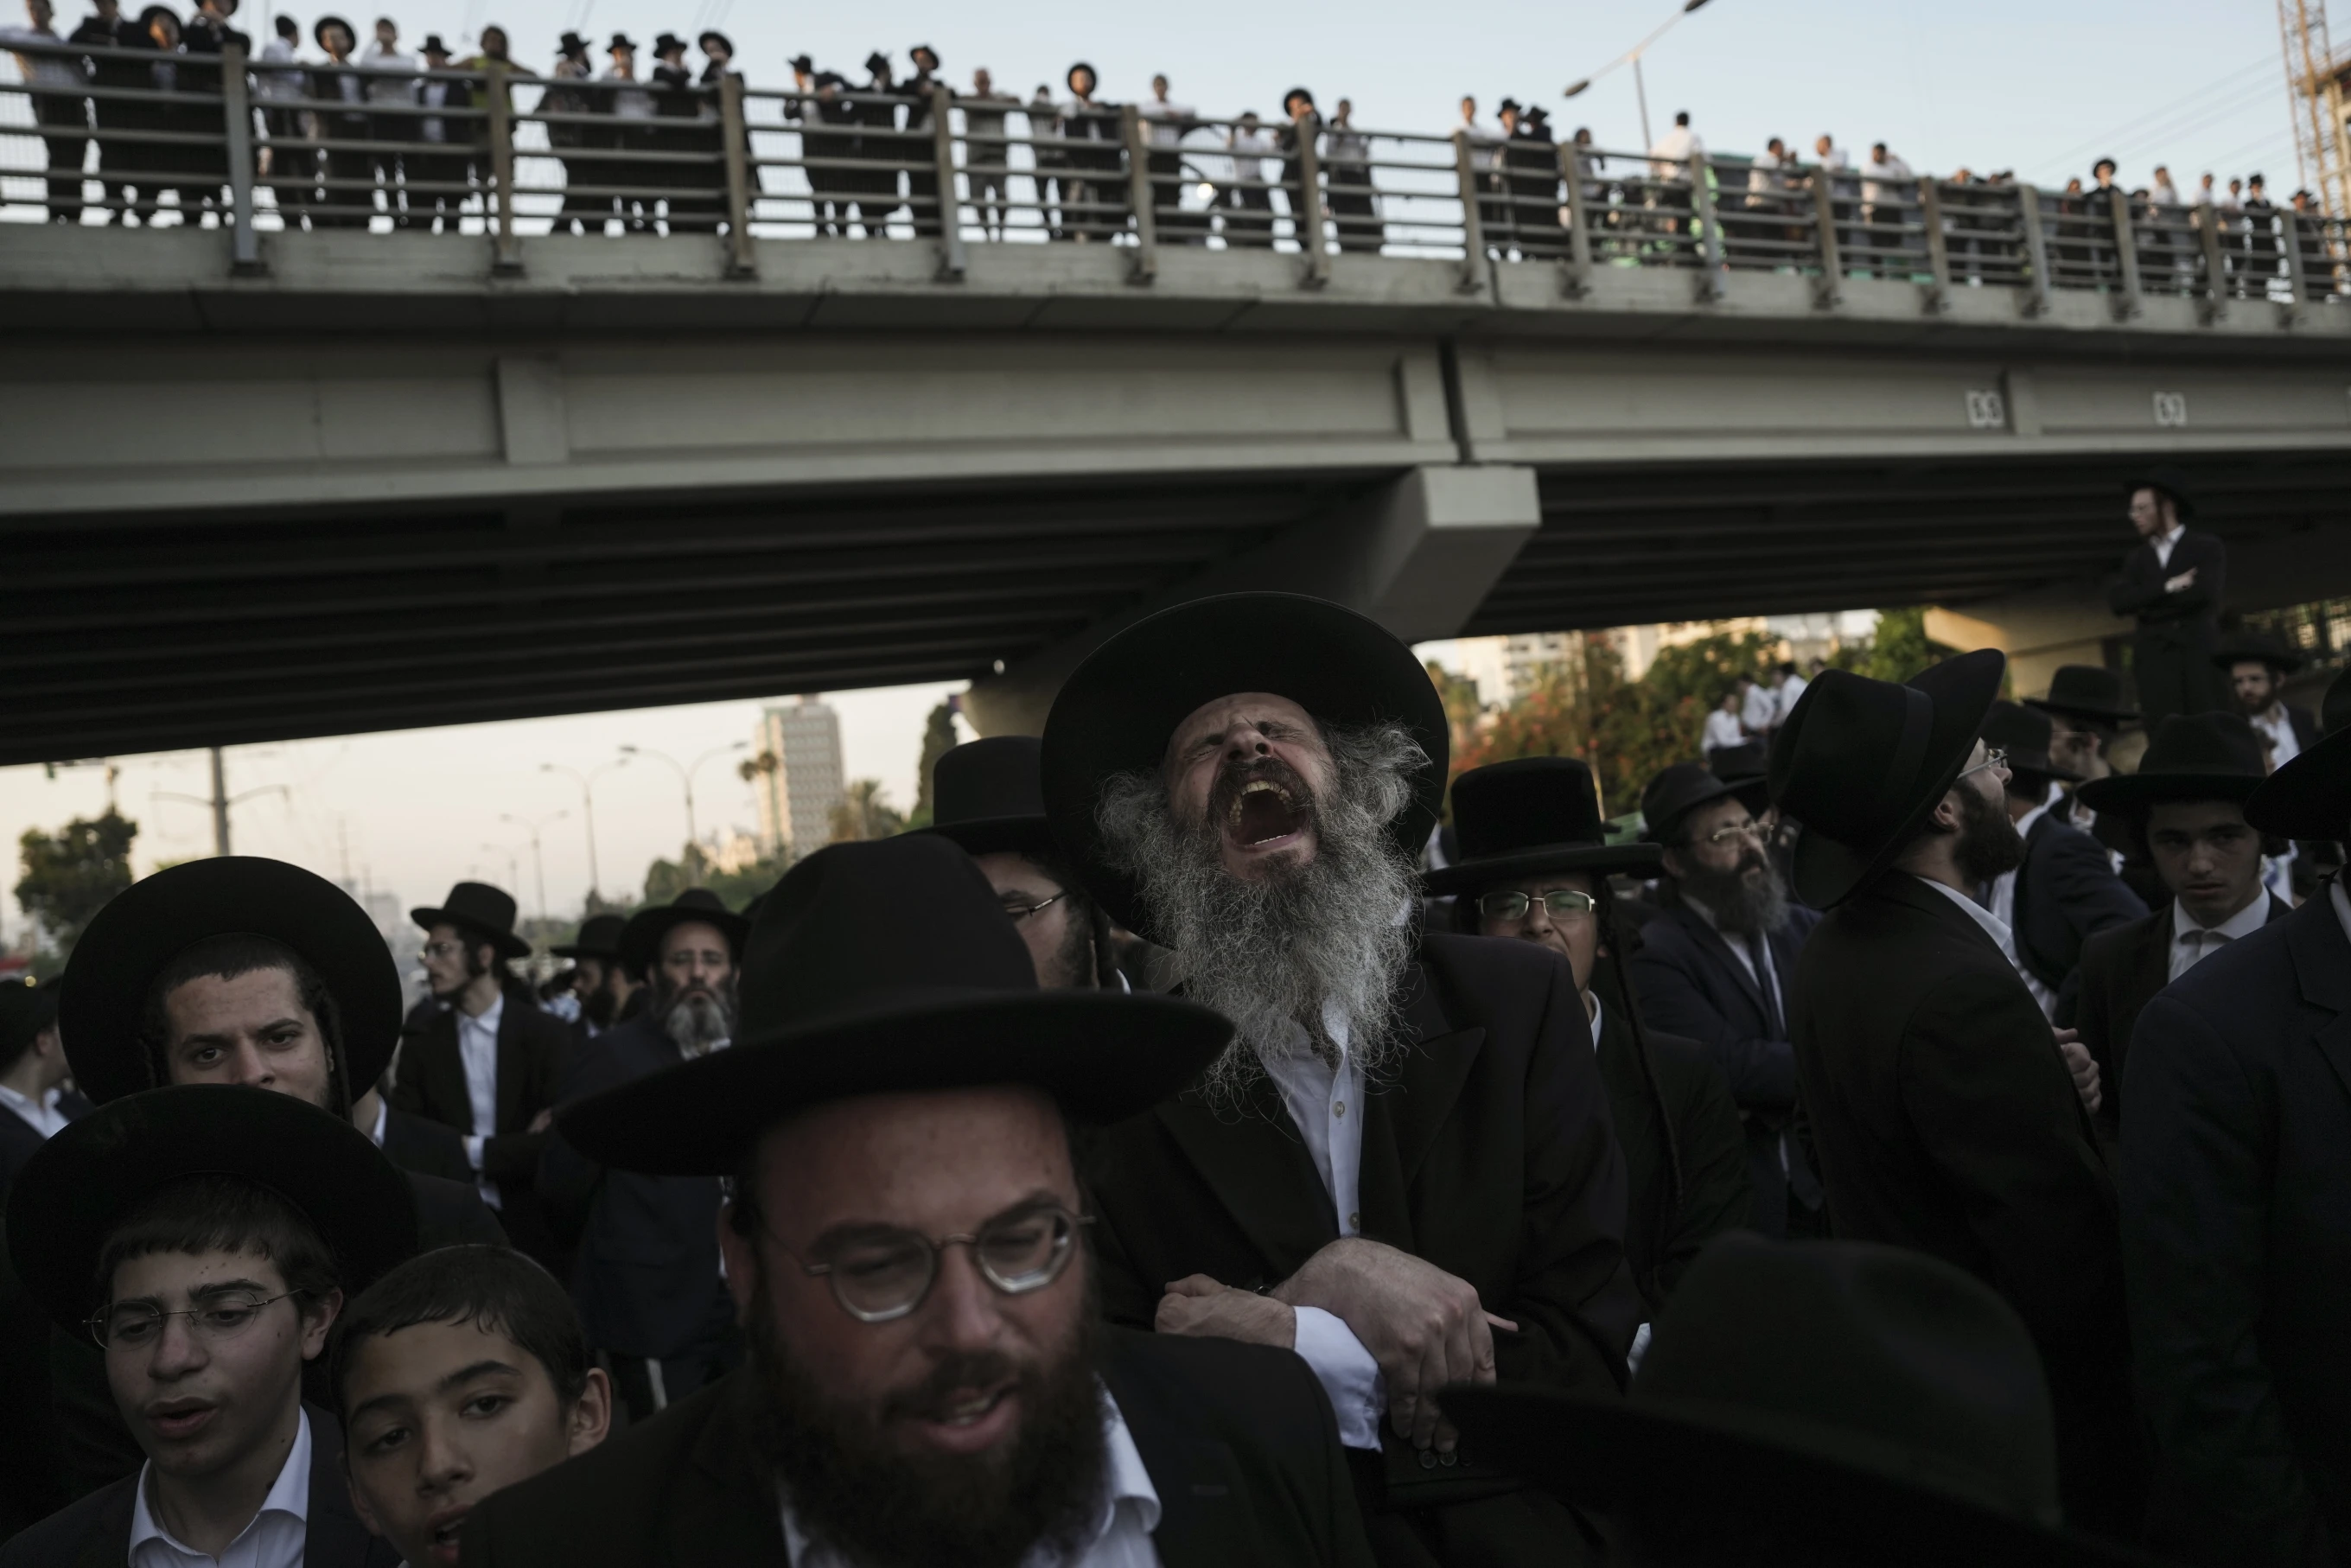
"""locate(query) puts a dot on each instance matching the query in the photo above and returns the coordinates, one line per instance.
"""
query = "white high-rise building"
(796, 800)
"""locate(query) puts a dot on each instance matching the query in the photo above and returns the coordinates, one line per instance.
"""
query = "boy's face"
(440, 1415)
(201, 1393)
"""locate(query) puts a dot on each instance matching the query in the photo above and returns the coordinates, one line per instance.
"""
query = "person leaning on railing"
(346, 198)
(56, 81)
(288, 164)
(108, 32)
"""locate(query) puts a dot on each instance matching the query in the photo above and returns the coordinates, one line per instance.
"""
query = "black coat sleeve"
(2083, 881)
(2195, 1180)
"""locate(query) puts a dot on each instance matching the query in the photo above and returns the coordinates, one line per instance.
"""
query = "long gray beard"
(698, 1022)
(1280, 953)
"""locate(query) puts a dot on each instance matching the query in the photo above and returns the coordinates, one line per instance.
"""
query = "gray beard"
(697, 1023)
(1282, 952)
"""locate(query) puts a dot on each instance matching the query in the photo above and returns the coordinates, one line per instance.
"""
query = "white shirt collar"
(1130, 1493)
(1596, 1014)
(2243, 924)
(489, 1016)
(42, 1114)
(289, 1495)
(383, 1116)
(2342, 906)
(1993, 927)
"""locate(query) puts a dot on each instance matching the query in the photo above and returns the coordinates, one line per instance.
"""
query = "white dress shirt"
(398, 83)
(1164, 123)
(42, 1115)
(1878, 180)
(1722, 730)
(1326, 1106)
(1791, 691)
(2003, 909)
(2274, 722)
(1121, 1538)
(2192, 944)
(1760, 710)
(477, 1050)
(1993, 927)
(2341, 906)
(275, 1539)
(2163, 546)
(281, 83)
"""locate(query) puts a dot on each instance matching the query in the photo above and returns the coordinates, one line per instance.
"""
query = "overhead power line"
(2103, 141)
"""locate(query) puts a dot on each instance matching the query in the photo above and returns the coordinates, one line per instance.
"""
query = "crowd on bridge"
(1922, 1139)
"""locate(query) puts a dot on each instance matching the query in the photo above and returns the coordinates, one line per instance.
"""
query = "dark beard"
(596, 1006)
(1988, 843)
(1272, 952)
(1740, 907)
(882, 1508)
(1075, 960)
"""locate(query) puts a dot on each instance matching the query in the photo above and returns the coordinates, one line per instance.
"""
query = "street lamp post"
(685, 772)
(1632, 56)
(588, 811)
(537, 864)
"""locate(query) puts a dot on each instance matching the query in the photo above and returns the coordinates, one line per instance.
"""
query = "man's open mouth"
(1263, 813)
(445, 1526)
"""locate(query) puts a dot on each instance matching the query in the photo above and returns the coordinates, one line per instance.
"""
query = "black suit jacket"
(1945, 1120)
(1691, 984)
(2066, 891)
(1692, 1140)
(19, 1142)
(2122, 969)
(1237, 1438)
(96, 1530)
(1491, 1155)
(422, 1145)
(2171, 657)
(534, 1048)
(646, 1270)
(2236, 1212)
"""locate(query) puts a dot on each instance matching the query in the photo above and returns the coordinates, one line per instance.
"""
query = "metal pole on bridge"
(742, 259)
(1139, 195)
(236, 107)
(506, 255)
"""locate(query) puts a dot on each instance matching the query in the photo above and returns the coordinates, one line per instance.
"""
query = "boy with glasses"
(203, 1235)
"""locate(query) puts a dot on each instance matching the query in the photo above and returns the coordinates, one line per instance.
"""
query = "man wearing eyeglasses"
(1717, 966)
(646, 1273)
(929, 1380)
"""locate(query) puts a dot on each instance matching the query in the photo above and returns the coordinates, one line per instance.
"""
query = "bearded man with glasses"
(929, 1379)
(1716, 965)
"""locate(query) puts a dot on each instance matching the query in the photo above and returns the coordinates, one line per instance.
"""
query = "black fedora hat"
(702, 40)
(102, 1002)
(600, 937)
(641, 938)
(620, 41)
(668, 43)
(2086, 691)
(1530, 817)
(432, 45)
(2193, 757)
(1901, 1399)
(2023, 733)
(2248, 647)
(479, 908)
(318, 29)
(2309, 797)
(878, 62)
(1863, 763)
(835, 1004)
(87, 1179)
(1118, 710)
(988, 795)
(26, 1008)
(1682, 789)
(572, 44)
(2169, 482)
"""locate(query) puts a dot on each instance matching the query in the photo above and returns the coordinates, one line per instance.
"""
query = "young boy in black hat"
(204, 1237)
(458, 1374)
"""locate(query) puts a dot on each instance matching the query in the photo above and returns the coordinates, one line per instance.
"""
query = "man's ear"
(318, 1315)
(591, 1413)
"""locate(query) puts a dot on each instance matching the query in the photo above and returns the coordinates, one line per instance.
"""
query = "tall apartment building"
(796, 800)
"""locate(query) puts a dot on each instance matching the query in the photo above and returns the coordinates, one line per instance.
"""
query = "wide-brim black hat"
(478, 909)
(2193, 757)
(2166, 481)
(1683, 788)
(702, 40)
(85, 1180)
(2024, 734)
(641, 938)
(2256, 647)
(1861, 764)
(102, 1003)
(1533, 815)
(600, 937)
(1118, 710)
(1899, 1396)
(836, 1003)
(2308, 798)
(318, 29)
(2086, 691)
(987, 796)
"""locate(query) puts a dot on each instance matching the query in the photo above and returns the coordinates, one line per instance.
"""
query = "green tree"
(664, 880)
(866, 812)
(1897, 650)
(938, 738)
(70, 875)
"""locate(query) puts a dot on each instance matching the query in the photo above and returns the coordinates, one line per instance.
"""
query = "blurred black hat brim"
(2308, 798)
(1639, 860)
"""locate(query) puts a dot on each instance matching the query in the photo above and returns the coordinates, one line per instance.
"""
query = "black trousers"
(63, 153)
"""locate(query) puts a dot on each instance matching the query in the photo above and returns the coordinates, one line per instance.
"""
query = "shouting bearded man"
(1403, 1165)
(647, 1278)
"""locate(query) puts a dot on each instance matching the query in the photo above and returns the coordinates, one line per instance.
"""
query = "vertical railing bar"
(1939, 250)
(1139, 195)
(1831, 292)
(2126, 253)
(1308, 219)
(1575, 272)
(2297, 272)
(506, 253)
(2036, 249)
(1473, 228)
(244, 244)
(742, 254)
(1709, 248)
(950, 206)
(2216, 266)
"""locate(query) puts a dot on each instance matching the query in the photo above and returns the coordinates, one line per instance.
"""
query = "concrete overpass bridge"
(265, 482)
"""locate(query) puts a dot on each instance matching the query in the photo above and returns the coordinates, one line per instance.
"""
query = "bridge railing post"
(1306, 217)
(2036, 250)
(236, 107)
(2297, 264)
(506, 251)
(2126, 308)
(1473, 227)
(1939, 248)
(1575, 271)
(1140, 196)
(950, 212)
(742, 254)
(2215, 302)
(1710, 234)
(1830, 291)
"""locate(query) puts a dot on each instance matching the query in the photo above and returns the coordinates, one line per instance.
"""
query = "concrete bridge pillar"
(1419, 555)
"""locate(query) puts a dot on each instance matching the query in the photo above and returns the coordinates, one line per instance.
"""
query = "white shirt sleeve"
(1347, 1374)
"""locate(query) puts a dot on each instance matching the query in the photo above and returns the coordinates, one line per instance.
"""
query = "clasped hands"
(1426, 1327)
(2082, 1066)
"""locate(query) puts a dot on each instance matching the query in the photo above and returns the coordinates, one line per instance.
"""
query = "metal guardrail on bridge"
(504, 155)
